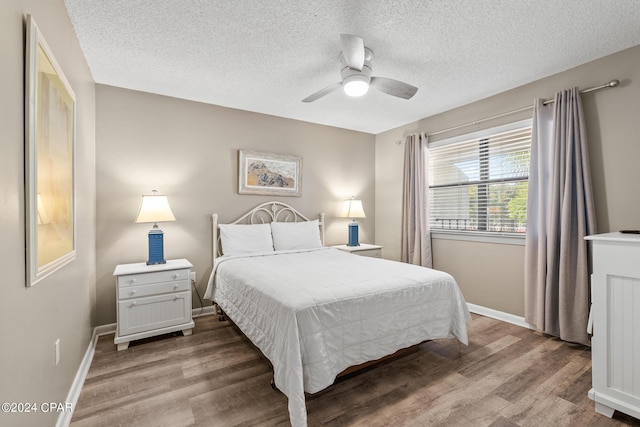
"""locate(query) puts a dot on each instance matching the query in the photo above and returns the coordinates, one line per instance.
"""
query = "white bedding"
(314, 313)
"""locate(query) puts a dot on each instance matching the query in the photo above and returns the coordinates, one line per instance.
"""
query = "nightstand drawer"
(155, 277)
(149, 313)
(138, 291)
(375, 253)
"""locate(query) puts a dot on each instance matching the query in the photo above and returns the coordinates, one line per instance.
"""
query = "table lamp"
(155, 208)
(353, 209)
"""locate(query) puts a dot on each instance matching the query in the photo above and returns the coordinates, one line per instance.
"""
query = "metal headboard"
(263, 214)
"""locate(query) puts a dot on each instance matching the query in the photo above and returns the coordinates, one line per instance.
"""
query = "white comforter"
(314, 313)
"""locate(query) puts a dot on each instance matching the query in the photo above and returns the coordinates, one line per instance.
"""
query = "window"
(478, 182)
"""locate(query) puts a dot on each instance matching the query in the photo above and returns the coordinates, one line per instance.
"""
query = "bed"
(315, 311)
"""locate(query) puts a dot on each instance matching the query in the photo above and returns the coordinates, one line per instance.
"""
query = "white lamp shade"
(352, 209)
(155, 209)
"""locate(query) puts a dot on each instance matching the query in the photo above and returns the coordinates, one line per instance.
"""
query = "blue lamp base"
(353, 234)
(156, 247)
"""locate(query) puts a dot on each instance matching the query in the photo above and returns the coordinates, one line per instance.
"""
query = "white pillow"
(239, 239)
(295, 235)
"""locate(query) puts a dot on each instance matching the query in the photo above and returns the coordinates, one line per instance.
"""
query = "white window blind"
(478, 182)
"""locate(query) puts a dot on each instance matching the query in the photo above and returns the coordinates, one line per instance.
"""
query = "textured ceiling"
(266, 56)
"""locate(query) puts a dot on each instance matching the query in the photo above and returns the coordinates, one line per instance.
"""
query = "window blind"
(480, 184)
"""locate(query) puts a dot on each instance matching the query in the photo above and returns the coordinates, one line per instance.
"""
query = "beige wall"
(61, 305)
(188, 151)
(491, 275)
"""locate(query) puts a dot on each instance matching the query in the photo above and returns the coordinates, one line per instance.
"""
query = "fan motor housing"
(364, 75)
(347, 73)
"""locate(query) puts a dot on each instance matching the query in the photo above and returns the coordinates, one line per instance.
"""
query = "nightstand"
(364, 249)
(152, 300)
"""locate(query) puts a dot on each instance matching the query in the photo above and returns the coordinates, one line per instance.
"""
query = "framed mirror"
(50, 107)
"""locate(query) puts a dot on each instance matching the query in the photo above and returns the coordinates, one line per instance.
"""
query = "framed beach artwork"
(269, 174)
(50, 107)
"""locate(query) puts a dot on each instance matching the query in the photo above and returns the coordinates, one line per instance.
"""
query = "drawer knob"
(175, 276)
(133, 303)
(175, 286)
(132, 281)
(133, 292)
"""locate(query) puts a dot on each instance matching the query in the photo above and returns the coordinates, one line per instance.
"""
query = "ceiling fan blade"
(319, 94)
(393, 87)
(352, 51)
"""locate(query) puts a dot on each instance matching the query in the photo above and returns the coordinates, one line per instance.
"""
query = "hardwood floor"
(507, 376)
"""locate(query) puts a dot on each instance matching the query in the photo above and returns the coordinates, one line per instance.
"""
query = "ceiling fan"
(356, 73)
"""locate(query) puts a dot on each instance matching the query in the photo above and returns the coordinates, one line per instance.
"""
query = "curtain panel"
(415, 237)
(560, 213)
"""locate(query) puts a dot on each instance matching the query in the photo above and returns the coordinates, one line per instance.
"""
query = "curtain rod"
(612, 83)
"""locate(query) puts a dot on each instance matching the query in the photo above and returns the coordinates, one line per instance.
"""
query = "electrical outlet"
(193, 276)
(57, 347)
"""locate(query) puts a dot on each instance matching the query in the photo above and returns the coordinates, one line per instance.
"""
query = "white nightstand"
(152, 300)
(364, 249)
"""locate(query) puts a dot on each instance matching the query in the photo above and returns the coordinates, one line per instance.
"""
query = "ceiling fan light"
(356, 85)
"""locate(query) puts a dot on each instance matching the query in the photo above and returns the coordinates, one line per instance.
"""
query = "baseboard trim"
(105, 329)
(203, 311)
(76, 386)
(499, 315)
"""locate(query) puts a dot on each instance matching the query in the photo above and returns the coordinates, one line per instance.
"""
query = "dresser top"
(142, 267)
(616, 236)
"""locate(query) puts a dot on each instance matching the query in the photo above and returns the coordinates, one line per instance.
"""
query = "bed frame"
(277, 211)
(263, 214)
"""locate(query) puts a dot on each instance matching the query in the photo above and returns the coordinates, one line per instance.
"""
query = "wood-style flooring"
(507, 376)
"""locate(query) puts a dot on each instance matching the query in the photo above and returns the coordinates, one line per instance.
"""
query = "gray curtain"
(416, 236)
(560, 214)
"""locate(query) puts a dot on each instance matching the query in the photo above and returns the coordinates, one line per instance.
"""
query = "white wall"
(61, 305)
(492, 275)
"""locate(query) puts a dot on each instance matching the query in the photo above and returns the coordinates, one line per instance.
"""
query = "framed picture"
(50, 107)
(269, 174)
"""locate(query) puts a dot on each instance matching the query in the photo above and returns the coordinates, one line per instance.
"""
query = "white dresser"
(152, 300)
(615, 346)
